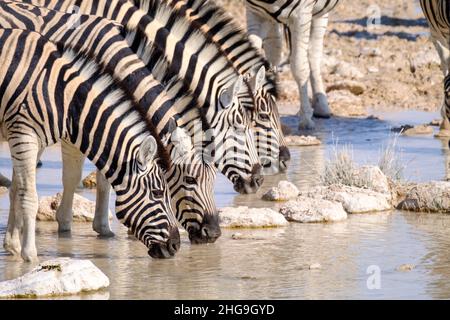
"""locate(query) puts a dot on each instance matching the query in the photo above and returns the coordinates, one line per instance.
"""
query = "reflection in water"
(273, 263)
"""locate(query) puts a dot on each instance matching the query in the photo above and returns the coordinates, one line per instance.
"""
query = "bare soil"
(391, 60)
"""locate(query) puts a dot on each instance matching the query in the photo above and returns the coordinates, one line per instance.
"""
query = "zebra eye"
(157, 194)
(190, 180)
(263, 116)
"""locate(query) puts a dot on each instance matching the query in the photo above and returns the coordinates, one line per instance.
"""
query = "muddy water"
(275, 263)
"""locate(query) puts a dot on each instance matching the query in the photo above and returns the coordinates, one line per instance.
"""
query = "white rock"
(353, 199)
(433, 196)
(310, 210)
(90, 181)
(62, 276)
(302, 141)
(83, 209)
(283, 192)
(378, 180)
(244, 217)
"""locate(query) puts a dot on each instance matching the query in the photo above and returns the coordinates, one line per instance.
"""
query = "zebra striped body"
(59, 96)
(97, 37)
(209, 75)
(306, 22)
(437, 13)
(233, 42)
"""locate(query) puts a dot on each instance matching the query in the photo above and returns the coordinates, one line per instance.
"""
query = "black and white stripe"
(305, 22)
(101, 39)
(49, 95)
(203, 68)
(437, 13)
(220, 28)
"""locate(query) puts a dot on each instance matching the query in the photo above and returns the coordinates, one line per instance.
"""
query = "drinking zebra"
(59, 96)
(191, 180)
(305, 22)
(202, 67)
(220, 28)
(437, 13)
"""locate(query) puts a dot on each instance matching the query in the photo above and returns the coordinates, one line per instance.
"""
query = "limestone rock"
(353, 199)
(90, 182)
(62, 276)
(310, 210)
(83, 209)
(427, 197)
(244, 217)
(283, 192)
(378, 180)
(302, 141)
(408, 130)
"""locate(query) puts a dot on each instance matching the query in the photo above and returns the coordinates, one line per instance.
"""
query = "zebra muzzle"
(166, 249)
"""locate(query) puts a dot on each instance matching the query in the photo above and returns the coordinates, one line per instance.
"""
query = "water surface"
(275, 263)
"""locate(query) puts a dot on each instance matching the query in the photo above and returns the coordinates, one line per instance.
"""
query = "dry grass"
(342, 169)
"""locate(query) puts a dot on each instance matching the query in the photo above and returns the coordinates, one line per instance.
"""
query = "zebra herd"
(159, 95)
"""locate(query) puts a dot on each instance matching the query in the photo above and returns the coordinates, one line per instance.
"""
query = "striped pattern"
(305, 22)
(100, 39)
(437, 13)
(219, 28)
(209, 75)
(61, 96)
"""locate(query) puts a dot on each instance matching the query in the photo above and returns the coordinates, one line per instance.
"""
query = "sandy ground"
(390, 65)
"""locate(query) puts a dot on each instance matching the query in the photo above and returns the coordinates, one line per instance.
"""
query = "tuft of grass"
(390, 161)
(342, 169)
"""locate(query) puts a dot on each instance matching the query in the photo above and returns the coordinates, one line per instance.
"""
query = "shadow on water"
(275, 262)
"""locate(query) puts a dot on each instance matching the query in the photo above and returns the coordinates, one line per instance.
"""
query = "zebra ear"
(227, 96)
(147, 150)
(259, 78)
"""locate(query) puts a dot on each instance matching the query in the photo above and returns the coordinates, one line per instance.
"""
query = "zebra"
(221, 29)
(190, 179)
(437, 13)
(305, 22)
(202, 67)
(57, 96)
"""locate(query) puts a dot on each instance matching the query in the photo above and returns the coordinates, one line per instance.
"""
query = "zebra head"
(191, 183)
(230, 140)
(270, 144)
(143, 203)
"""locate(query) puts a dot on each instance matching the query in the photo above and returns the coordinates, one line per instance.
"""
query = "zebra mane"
(87, 66)
(207, 10)
(162, 12)
(161, 70)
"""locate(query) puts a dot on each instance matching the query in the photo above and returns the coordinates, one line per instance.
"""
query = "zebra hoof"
(320, 106)
(306, 124)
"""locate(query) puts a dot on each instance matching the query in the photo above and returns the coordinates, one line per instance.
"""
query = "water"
(275, 263)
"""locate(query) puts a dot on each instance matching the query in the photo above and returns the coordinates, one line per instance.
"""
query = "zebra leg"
(300, 27)
(320, 101)
(24, 152)
(273, 43)
(12, 238)
(101, 219)
(72, 170)
(255, 28)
